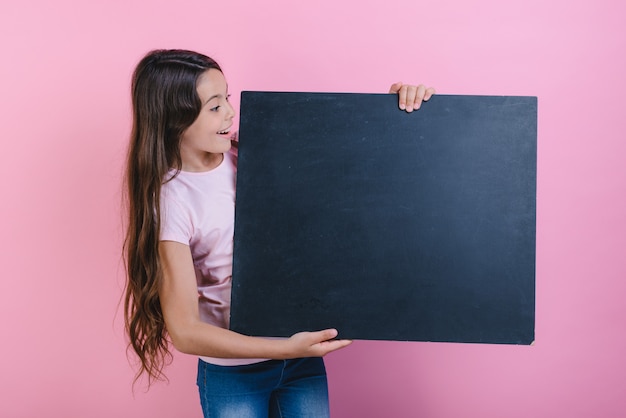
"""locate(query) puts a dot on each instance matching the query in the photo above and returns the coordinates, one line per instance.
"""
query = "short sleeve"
(176, 224)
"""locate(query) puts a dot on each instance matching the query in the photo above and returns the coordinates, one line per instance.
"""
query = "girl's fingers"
(395, 87)
(410, 97)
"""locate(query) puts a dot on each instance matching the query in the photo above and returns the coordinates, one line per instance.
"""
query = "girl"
(180, 181)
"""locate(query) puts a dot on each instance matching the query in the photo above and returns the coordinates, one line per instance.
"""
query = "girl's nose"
(231, 112)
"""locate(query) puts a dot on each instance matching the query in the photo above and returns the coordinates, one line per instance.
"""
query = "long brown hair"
(165, 103)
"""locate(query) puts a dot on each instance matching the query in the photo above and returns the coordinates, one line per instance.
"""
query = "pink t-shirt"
(198, 209)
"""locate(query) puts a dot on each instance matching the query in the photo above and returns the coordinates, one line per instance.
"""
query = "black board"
(386, 225)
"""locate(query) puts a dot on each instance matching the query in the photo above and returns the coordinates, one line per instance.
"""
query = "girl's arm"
(179, 302)
(410, 97)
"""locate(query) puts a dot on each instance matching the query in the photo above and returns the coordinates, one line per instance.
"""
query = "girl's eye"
(217, 108)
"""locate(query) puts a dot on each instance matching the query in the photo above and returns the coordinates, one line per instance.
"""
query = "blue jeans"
(276, 388)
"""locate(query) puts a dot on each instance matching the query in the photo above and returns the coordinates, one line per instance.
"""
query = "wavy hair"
(165, 103)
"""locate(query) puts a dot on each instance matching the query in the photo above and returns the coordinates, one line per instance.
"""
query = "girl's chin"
(225, 137)
(221, 140)
(227, 142)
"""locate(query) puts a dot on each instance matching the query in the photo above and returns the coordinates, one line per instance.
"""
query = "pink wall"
(65, 118)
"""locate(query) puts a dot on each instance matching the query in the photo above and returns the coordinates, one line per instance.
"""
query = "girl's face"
(204, 142)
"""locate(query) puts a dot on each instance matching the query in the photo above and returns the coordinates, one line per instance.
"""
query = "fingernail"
(402, 106)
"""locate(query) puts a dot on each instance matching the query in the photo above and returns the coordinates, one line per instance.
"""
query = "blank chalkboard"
(384, 224)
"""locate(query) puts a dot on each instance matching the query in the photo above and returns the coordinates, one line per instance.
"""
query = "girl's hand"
(410, 97)
(314, 344)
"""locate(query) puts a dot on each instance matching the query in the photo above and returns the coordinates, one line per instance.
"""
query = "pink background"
(64, 83)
